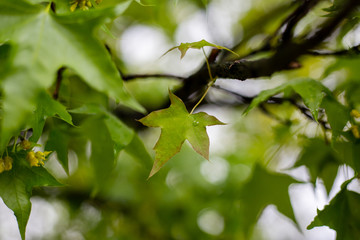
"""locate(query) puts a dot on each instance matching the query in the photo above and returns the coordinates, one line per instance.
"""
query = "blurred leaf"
(265, 188)
(137, 150)
(5, 54)
(43, 42)
(177, 125)
(347, 65)
(111, 3)
(260, 21)
(336, 6)
(47, 107)
(183, 47)
(321, 160)
(102, 148)
(347, 27)
(121, 134)
(158, 13)
(59, 142)
(312, 92)
(152, 92)
(16, 187)
(352, 93)
(337, 115)
(348, 153)
(342, 214)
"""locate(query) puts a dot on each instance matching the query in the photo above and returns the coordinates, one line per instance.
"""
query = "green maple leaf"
(184, 47)
(47, 107)
(312, 92)
(42, 42)
(321, 160)
(177, 125)
(110, 128)
(342, 214)
(265, 188)
(337, 116)
(16, 187)
(58, 141)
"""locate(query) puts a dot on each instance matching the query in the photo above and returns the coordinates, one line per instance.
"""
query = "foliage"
(177, 125)
(70, 116)
(346, 226)
(184, 47)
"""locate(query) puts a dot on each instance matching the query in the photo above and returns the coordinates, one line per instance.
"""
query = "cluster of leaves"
(35, 44)
(60, 47)
(60, 85)
(22, 173)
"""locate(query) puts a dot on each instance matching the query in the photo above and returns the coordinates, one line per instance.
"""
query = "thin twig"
(212, 81)
(135, 76)
(292, 20)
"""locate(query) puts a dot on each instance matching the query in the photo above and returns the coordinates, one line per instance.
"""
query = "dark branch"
(291, 21)
(288, 24)
(59, 77)
(251, 31)
(285, 54)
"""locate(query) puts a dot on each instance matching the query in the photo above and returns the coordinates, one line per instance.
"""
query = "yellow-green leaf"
(42, 42)
(342, 214)
(16, 186)
(265, 188)
(312, 92)
(177, 125)
(183, 47)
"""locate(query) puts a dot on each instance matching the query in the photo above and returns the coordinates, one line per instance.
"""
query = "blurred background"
(190, 198)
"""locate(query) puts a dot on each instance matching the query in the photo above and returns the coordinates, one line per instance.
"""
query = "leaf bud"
(8, 161)
(355, 113)
(25, 144)
(31, 158)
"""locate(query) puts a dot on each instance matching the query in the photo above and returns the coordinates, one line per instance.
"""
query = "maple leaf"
(262, 189)
(184, 47)
(39, 43)
(321, 160)
(177, 125)
(311, 91)
(341, 214)
(16, 187)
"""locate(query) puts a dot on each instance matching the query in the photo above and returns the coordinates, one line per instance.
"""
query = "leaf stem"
(15, 141)
(212, 81)
(203, 96)
(208, 65)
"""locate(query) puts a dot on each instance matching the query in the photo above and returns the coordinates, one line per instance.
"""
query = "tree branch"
(286, 54)
(59, 77)
(291, 21)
